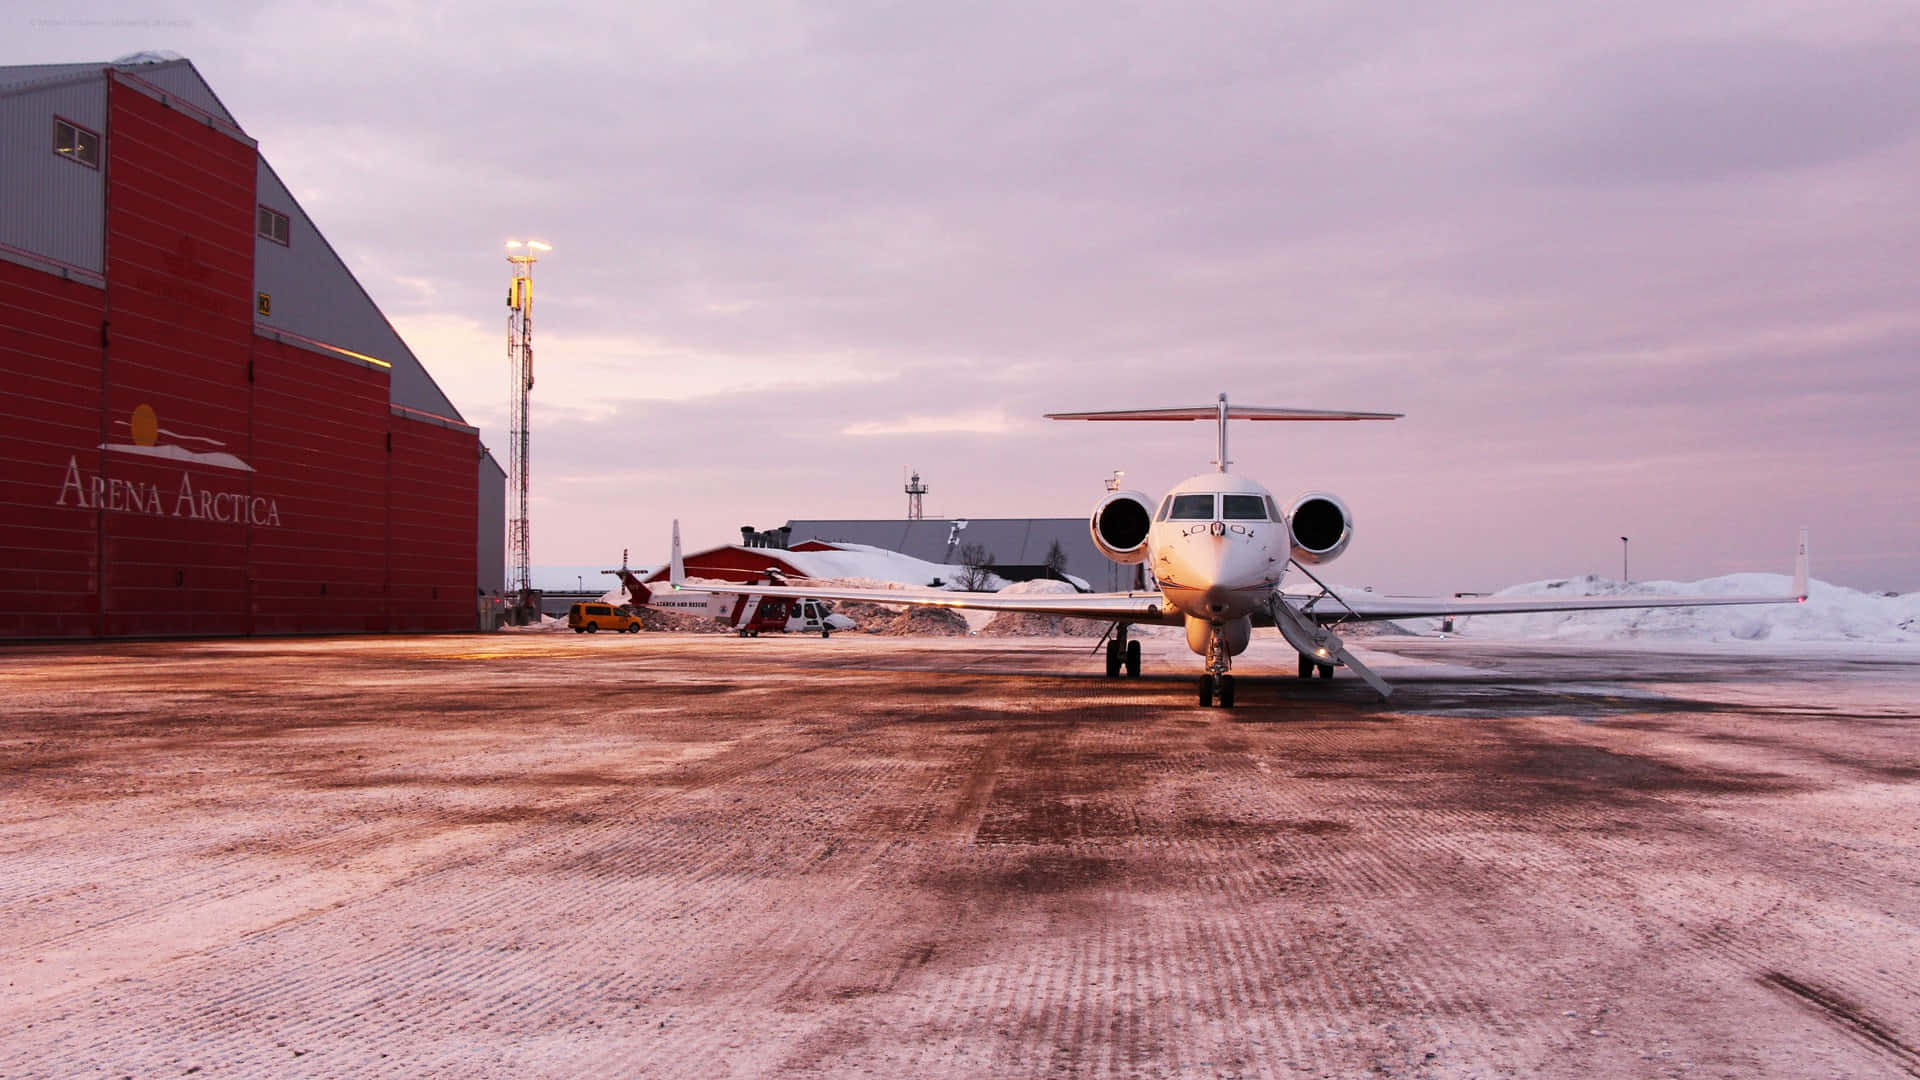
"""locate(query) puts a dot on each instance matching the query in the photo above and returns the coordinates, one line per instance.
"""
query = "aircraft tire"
(1326, 671)
(1226, 691)
(1308, 669)
(1113, 659)
(1206, 690)
(1133, 659)
(825, 634)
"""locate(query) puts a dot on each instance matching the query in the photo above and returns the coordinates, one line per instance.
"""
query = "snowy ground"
(690, 856)
(1832, 613)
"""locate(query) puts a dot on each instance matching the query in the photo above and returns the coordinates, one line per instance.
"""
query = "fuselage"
(1219, 547)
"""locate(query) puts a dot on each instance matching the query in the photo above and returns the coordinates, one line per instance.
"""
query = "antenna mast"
(915, 489)
(521, 256)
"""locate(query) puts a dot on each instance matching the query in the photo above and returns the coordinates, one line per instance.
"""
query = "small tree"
(976, 568)
(1056, 562)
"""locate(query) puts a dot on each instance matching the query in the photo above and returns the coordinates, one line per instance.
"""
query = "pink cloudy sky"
(1628, 267)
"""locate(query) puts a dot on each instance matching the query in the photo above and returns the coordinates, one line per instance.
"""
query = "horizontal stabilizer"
(1234, 412)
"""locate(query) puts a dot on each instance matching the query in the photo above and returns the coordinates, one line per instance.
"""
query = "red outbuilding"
(207, 427)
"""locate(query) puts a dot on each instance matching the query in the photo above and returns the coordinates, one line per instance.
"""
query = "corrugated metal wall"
(50, 363)
(490, 546)
(179, 264)
(52, 206)
(320, 448)
(432, 514)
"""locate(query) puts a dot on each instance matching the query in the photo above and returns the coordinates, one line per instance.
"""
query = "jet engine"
(1119, 526)
(1321, 527)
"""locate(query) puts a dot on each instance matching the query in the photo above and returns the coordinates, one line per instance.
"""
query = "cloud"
(1706, 110)
(970, 423)
(1618, 262)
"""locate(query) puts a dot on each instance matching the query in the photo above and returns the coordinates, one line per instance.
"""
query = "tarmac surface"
(679, 855)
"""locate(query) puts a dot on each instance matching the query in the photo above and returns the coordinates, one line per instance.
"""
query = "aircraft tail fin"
(636, 589)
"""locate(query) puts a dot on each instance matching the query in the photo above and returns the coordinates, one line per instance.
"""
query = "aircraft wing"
(1367, 607)
(1103, 607)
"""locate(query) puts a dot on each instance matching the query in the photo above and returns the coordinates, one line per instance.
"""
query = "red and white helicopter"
(1218, 547)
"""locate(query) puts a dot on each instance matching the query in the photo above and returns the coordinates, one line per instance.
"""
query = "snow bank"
(879, 565)
(1020, 624)
(1831, 613)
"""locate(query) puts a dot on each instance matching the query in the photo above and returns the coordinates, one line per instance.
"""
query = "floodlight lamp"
(539, 246)
(515, 244)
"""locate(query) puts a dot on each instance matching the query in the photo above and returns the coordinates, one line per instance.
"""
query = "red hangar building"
(206, 426)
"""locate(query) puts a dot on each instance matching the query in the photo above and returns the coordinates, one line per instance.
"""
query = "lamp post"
(1625, 578)
(522, 255)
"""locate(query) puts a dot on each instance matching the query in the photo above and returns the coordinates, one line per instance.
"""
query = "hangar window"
(75, 143)
(273, 225)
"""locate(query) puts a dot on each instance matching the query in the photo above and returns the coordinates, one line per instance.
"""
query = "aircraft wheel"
(1133, 659)
(1206, 690)
(1226, 691)
(1326, 671)
(1307, 666)
(1113, 659)
(825, 633)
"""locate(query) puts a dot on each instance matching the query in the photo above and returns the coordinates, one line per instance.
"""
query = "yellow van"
(592, 618)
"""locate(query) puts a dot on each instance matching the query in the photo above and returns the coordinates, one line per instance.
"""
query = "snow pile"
(892, 620)
(1022, 624)
(922, 622)
(878, 565)
(548, 624)
(1831, 613)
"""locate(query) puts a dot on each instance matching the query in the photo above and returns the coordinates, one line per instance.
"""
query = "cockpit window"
(1164, 505)
(1243, 508)
(1273, 512)
(1192, 508)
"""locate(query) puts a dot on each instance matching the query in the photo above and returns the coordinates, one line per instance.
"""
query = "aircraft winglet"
(1800, 567)
(677, 569)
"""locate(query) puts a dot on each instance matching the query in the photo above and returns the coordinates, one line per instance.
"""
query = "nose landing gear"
(1216, 684)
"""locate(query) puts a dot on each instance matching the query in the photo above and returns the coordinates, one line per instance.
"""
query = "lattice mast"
(521, 257)
(915, 489)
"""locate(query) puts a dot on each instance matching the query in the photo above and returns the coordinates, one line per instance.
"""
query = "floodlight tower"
(915, 489)
(521, 256)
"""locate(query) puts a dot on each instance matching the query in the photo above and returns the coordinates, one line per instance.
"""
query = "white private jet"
(1218, 548)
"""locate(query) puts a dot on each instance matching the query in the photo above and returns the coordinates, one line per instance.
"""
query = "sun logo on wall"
(145, 434)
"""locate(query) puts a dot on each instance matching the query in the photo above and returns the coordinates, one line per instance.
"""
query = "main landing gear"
(1216, 684)
(1309, 667)
(1123, 652)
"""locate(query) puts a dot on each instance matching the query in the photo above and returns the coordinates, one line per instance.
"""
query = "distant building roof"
(1010, 541)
